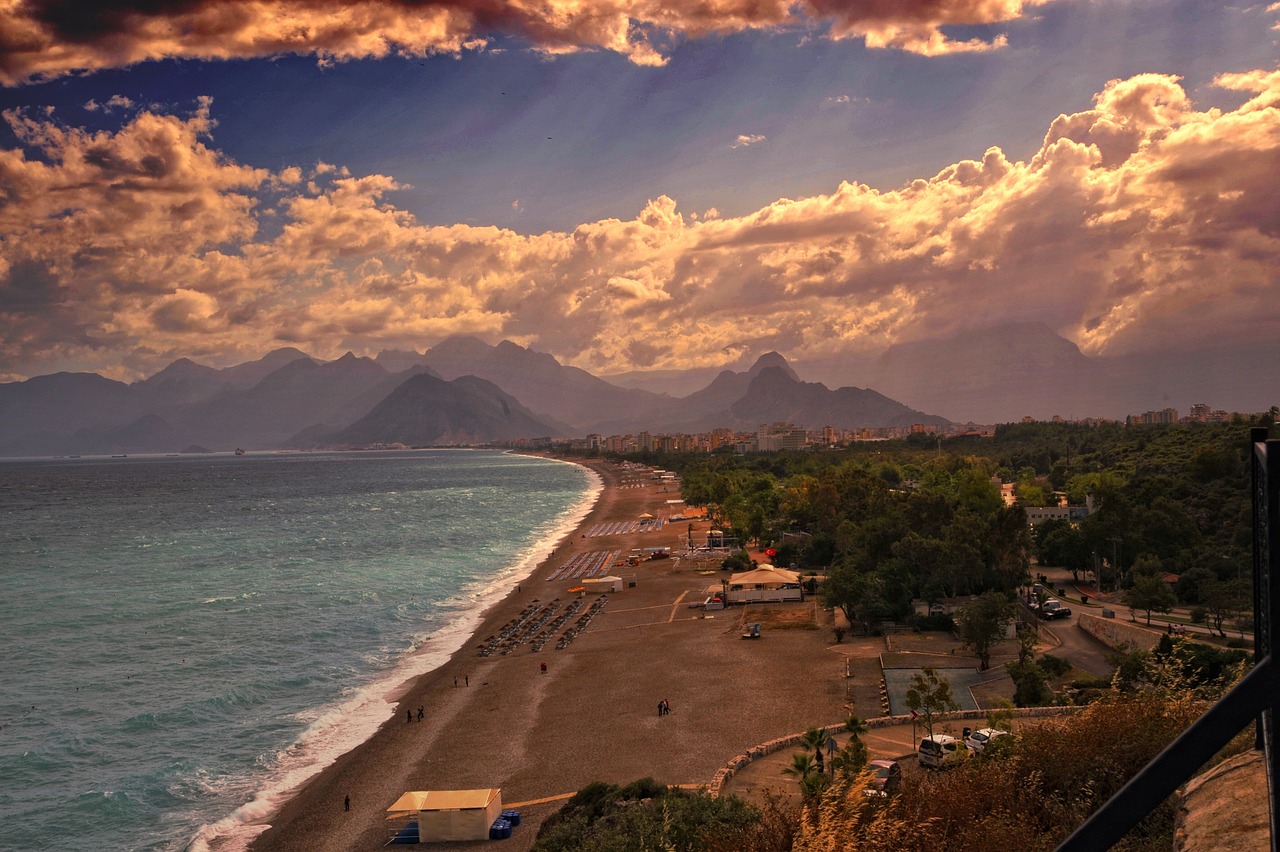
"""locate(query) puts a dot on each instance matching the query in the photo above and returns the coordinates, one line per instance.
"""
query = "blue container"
(512, 817)
(500, 830)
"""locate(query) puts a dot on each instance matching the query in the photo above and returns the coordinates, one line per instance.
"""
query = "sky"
(631, 184)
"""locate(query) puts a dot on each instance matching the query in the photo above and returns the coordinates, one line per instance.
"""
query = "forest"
(889, 521)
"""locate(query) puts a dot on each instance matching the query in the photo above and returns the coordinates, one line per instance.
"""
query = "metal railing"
(1255, 697)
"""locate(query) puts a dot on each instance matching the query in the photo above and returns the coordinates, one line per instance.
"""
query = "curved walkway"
(758, 774)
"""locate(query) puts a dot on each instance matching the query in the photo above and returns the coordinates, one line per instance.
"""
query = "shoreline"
(238, 830)
(590, 716)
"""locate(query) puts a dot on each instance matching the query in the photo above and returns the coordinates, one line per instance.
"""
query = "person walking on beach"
(660, 708)
(346, 803)
(408, 716)
(666, 707)
(420, 709)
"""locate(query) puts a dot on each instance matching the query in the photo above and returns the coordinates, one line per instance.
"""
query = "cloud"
(41, 39)
(744, 141)
(1139, 222)
(114, 102)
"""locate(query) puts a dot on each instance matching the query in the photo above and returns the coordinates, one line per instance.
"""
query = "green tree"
(1224, 601)
(1151, 594)
(1030, 681)
(982, 622)
(930, 694)
(802, 766)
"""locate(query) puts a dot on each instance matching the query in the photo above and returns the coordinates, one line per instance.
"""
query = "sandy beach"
(592, 715)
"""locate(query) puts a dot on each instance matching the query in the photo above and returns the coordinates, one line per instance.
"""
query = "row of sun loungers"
(642, 525)
(585, 566)
(536, 626)
(582, 622)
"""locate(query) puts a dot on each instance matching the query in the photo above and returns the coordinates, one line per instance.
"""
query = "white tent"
(607, 583)
(450, 814)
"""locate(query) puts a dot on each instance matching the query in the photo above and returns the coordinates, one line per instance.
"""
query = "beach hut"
(765, 583)
(449, 814)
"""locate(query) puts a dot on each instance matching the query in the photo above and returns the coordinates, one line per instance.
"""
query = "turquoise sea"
(186, 639)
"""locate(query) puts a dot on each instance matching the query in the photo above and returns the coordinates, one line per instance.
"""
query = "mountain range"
(466, 391)
(462, 391)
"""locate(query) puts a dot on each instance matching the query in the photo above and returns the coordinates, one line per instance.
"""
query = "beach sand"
(592, 716)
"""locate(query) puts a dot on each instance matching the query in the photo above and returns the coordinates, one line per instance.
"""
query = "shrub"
(1053, 666)
(941, 622)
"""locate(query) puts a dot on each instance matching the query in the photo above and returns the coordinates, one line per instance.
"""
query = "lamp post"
(1115, 559)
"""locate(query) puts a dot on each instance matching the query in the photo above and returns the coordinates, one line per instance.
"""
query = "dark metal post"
(1266, 598)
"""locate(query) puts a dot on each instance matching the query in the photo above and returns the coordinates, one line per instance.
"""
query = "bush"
(1053, 666)
(1236, 642)
(640, 816)
(1199, 615)
(942, 622)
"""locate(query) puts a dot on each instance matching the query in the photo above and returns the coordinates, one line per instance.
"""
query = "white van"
(936, 749)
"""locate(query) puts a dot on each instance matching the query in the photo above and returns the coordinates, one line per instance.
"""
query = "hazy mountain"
(40, 413)
(148, 434)
(399, 360)
(997, 375)
(429, 411)
(541, 383)
(249, 373)
(777, 394)
(301, 393)
(675, 383)
(182, 382)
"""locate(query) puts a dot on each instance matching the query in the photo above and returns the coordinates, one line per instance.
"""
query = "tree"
(1030, 681)
(1224, 601)
(802, 766)
(1009, 539)
(982, 622)
(930, 694)
(1000, 715)
(1151, 594)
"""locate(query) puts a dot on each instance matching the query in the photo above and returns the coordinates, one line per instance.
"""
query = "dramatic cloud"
(1139, 222)
(48, 38)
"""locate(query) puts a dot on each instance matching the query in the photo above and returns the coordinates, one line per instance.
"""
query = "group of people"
(664, 707)
(408, 714)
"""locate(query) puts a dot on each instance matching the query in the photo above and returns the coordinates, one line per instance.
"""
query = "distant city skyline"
(670, 186)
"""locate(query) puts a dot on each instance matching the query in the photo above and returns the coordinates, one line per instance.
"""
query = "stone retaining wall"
(737, 763)
(1118, 634)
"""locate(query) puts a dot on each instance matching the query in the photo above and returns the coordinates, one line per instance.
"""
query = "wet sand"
(592, 716)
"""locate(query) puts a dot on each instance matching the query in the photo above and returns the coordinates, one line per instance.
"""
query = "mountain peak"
(772, 359)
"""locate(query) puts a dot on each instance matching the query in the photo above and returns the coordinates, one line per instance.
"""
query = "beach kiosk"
(765, 583)
(446, 814)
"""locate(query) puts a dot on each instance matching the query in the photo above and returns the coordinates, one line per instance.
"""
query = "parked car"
(1054, 608)
(935, 750)
(885, 777)
(979, 739)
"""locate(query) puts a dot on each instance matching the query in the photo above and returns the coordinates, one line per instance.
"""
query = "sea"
(184, 640)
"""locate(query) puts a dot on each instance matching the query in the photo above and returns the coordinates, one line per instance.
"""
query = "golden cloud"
(1139, 221)
(40, 39)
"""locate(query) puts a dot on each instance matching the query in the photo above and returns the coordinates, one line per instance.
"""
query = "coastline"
(540, 735)
(238, 830)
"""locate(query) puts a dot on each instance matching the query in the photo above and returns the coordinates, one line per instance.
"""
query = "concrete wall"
(1115, 633)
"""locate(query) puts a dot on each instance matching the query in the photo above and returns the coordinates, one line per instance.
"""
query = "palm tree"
(814, 738)
(855, 726)
(801, 767)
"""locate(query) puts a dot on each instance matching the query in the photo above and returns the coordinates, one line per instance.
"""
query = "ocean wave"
(335, 730)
